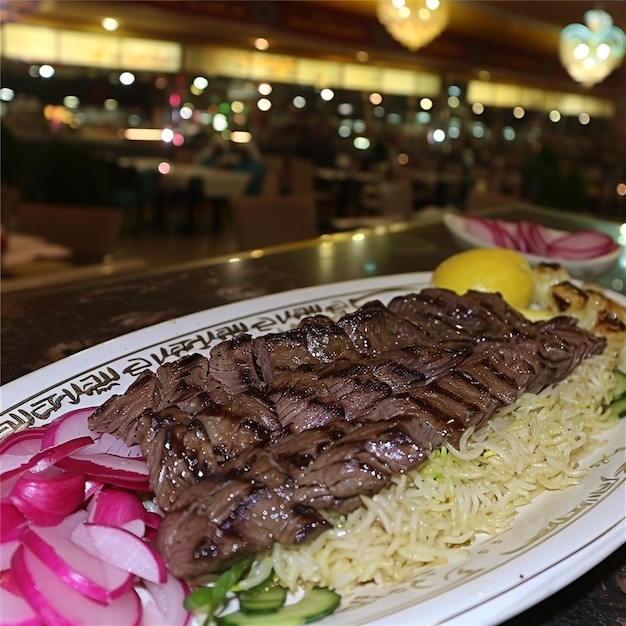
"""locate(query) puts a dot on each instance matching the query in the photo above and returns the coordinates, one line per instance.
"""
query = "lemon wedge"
(495, 270)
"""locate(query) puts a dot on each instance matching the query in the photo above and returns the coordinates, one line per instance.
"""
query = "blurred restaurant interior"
(168, 111)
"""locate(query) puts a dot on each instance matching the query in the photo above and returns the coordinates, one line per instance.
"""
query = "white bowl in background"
(584, 269)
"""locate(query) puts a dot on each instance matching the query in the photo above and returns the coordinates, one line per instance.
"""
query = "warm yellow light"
(143, 134)
(414, 23)
(240, 136)
(110, 24)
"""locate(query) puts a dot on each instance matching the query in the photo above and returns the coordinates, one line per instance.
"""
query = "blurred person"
(249, 159)
(215, 153)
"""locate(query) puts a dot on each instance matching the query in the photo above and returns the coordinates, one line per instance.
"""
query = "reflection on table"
(61, 244)
(22, 249)
(49, 273)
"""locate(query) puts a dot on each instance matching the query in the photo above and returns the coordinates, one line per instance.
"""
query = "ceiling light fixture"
(110, 24)
(590, 53)
(414, 23)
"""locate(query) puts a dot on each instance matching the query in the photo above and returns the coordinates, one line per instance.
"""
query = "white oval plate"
(584, 269)
(554, 540)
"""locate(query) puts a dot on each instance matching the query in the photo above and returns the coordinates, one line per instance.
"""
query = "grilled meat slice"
(231, 363)
(477, 315)
(247, 421)
(430, 359)
(310, 398)
(184, 383)
(220, 521)
(303, 401)
(183, 449)
(363, 462)
(315, 341)
(374, 328)
(562, 346)
(177, 454)
(120, 414)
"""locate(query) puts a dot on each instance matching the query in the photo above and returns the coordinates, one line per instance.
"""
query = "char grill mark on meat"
(248, 421)
(176, 453)
(361, 463)
(431, 359)
(219, 521)
(477, 315)
(184, 383)
(310, 398)
(315, 341)
(182, 449)
(231, 363)
(303, 401)
(374, 328)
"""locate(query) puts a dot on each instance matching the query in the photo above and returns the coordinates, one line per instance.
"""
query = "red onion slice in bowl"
(584, 244)
(591, 257)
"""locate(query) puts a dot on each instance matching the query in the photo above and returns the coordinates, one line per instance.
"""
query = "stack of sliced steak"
(250, 446)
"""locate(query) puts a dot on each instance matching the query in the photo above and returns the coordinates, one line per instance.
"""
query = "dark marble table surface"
(43, 326)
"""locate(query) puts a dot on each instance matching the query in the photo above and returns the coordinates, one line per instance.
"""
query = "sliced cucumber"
(618, 407)
(618, 404)
(620, 389)
(314, 605)
(267, 597)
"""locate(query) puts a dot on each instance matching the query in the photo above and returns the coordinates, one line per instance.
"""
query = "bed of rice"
(426, 516)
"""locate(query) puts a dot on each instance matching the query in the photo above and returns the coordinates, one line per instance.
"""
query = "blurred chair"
(264, 221)
(390, 202)
(92, 233)
(9, 201)
(301, 175)
(273, 181)
(395, 199)
(301, 178)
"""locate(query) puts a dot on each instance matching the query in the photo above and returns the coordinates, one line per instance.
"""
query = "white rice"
(427, 515)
